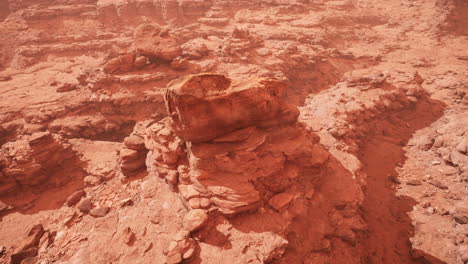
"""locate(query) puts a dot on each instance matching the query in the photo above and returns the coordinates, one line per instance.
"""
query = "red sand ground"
(94, 170)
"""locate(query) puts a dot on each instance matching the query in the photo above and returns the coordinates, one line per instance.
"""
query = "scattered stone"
(462, 147)
(85, 205)
(75, 197)
(99, 211)
(182, 247)
(123, 63)
(66, 87)
(128, 236)
(70, 220)
(34, 236)
(29, 246)
(394, 179)
(463, 252)
(414, 182)
(204, 202)
(91, 180)
(274, 247)
(126, 202)
(18, 257)
(425, 204)
(140, 62)
(134, 142)
(448, 170)
(460, 215)
(439, 184)
(279, 201)
(430, 210)
(195, 219)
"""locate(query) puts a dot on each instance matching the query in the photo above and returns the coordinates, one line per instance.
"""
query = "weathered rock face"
(234, 135)
(207, 106)
(257, 156)
(125, 63)
(156, 42)
(128, 12)
(31, 161)
(133, 156)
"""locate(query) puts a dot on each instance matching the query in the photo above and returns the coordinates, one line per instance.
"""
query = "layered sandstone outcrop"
(125, 11)
(133, 156)
(32, 160)
(156, 42)
(233, 147)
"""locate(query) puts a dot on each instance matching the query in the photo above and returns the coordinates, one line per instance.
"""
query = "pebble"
(75, 198)
(128, 236)
(439, 184)
(279, 201)
(126, 202)
(414, 182)
(195, 219)
(85, 205)
(91, 181)
(99, 211)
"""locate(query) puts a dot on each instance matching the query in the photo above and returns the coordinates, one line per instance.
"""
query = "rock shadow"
(386, 213)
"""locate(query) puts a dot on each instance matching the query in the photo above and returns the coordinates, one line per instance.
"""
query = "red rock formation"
(156, 42)
(237, 147)
(32, 160)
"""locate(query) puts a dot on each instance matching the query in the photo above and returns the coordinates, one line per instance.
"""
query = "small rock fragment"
(462, 147)
(414, 182)
(18, 257)
(128, 236)
(140, 62)
(279, 201)
(182, 247)
(99, 211)
(134, 142)
(439, 184)
(126, 202)
(195, 219)
(463, 251)
(460, 215)
(75, 198)
(66, 87)
(85, 205)
(91, 180)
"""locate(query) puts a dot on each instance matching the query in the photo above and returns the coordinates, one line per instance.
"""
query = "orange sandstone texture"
(260, 131)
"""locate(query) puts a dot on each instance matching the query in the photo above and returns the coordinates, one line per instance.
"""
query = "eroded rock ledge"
(232, 147)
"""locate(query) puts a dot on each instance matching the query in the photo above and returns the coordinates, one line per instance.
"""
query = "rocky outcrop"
(125, 63)
(206, 106)
(236, 147)
(129, 12)
(32, 160)
(133, 156)
(156, 42)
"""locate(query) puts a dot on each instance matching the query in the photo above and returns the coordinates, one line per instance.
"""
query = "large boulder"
(156, 42)
(206, 106)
